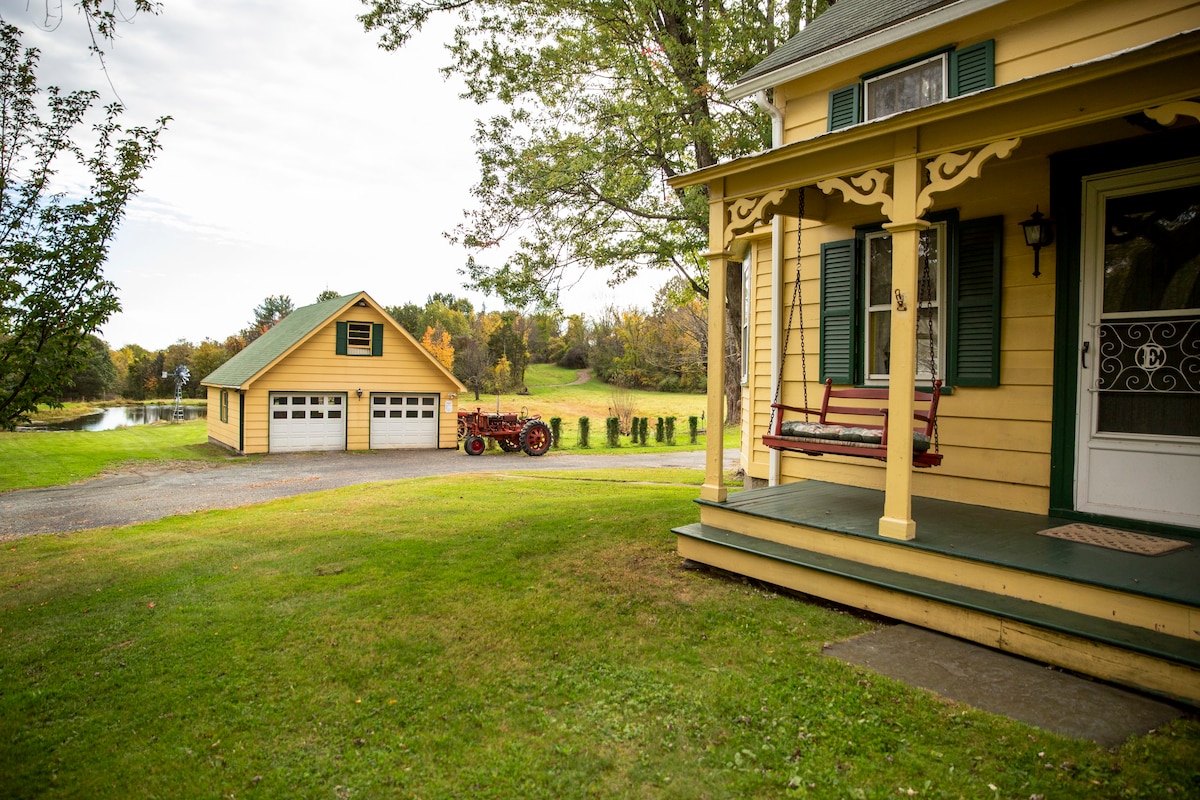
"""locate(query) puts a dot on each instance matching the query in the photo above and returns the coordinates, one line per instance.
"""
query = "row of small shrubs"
(639, 428)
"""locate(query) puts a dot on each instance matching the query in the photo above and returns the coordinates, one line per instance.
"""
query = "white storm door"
(1138, 436)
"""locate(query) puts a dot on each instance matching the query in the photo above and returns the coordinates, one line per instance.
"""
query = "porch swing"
(848, 423)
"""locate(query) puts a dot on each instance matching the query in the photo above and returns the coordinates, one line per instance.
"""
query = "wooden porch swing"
(851, 422)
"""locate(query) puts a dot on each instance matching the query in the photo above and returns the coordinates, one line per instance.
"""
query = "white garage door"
(302, 422)
(403, 420)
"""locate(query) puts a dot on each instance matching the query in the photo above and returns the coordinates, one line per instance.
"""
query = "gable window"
(959, 305)
(877, 294)
(359, 339)
(916, 84)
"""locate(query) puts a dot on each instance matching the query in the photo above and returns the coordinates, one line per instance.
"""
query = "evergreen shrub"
(584, 424)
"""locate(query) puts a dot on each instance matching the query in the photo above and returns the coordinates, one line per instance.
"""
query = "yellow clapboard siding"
(1023, 436)
(225, 433)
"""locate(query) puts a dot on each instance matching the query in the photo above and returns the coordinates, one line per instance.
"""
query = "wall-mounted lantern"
(359, 393)
(1039, 232)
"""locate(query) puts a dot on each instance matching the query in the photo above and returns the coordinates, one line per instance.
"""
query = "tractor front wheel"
(474, 445)
(535, 438)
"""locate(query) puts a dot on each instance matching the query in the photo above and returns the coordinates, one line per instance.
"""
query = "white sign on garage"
(305, 421)
(403, 420)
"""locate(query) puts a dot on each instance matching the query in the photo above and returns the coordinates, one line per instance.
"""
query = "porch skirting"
(977, 573)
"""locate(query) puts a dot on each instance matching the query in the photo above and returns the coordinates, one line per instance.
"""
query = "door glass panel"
(1149, 359)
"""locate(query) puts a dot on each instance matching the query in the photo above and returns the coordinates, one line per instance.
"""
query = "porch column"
(905, 228)
(714, 480)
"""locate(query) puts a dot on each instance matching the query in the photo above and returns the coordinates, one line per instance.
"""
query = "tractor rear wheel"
(509, 445)
(462, 428)
(474, 445)
(535, 437)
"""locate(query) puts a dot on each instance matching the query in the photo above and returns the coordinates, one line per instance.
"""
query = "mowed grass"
(458, 637)
(54, 458)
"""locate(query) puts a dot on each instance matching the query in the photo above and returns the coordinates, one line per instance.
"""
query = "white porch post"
(714, 481)
(905, 227)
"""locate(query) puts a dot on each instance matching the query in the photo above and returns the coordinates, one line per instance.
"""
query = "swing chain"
(925, 299)
(797, 300)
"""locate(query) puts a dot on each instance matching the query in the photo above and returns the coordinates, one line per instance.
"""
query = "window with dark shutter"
(838, 311)
(975, 316)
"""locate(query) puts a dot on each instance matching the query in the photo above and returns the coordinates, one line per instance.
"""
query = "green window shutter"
(342, 333)
(975, 305)
(838, 311)
(377, 338)
(973, 68)
(844, 107)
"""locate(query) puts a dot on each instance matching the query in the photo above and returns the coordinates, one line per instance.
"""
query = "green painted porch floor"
(1005, 538)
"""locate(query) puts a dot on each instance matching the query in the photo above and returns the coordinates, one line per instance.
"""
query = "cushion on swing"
(845, 433)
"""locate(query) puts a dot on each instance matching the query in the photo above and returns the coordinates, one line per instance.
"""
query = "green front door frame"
(1067, 170)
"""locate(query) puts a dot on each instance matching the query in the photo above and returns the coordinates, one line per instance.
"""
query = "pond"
(107, 419)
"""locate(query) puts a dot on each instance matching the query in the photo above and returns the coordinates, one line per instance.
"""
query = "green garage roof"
(266, 349)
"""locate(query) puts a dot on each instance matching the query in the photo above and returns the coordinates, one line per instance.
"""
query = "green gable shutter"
(973, 68)
(342, 334)
(844, 107)
(838, 311)
(377, 338)
(975, 305)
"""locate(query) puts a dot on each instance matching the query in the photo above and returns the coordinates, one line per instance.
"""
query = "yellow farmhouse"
(337, 375)
(997, 201)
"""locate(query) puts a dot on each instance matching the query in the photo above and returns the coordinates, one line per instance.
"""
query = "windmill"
(182, 376)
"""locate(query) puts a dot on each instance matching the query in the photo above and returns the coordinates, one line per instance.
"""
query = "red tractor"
(512, 432)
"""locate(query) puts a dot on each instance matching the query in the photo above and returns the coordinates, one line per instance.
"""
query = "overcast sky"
(300, 157)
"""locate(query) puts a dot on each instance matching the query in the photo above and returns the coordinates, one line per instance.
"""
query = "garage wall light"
(359, 393)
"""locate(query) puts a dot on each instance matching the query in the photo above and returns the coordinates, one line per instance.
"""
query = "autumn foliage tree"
(437, 341)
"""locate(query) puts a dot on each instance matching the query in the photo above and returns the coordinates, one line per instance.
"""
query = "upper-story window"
(359, 339)
(915, 84)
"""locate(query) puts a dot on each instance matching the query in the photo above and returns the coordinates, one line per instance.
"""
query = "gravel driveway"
(143, 493)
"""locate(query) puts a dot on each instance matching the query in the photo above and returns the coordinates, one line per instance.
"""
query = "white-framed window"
(911, 86)
(358, 339)
(747, 270)
(877, 294)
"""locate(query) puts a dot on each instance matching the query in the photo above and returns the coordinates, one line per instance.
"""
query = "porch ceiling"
(1106, 89)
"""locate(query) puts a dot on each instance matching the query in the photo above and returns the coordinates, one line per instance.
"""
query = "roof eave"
(920, 24)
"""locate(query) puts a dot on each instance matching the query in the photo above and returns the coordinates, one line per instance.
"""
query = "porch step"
(1183, 652)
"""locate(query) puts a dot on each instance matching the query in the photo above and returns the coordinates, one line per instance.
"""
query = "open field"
(449, 637)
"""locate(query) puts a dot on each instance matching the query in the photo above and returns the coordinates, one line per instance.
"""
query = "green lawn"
(515, 637)
(53, 458)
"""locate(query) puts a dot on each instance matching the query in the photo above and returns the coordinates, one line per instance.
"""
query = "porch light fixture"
(1039, 232)
(359, 393)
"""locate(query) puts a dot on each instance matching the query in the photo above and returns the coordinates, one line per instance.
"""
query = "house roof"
(285, 334)
(843, 23)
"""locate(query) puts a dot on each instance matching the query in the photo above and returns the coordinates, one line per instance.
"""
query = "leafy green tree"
(97, 375)
(605, 101)
(208, 356)
(267, 314)
(328, 294)
(53, 293)
(508, 344)
(410, 316)
(143, 372)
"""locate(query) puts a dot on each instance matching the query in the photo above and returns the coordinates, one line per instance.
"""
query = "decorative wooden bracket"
(951, 170)
(865, 189)
(1166, 114)
(749, 212)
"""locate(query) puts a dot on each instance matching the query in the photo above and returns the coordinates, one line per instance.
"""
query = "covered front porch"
(982, 574)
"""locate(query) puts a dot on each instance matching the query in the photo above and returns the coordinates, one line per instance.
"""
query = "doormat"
(1114, 539)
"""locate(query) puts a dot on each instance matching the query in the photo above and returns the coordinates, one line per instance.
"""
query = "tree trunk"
(733, 343)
